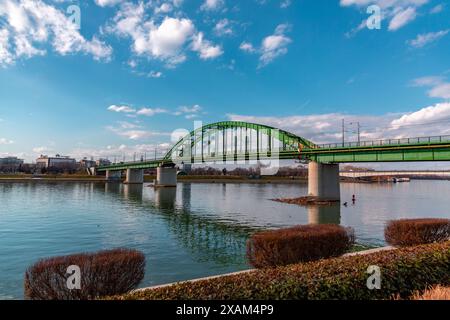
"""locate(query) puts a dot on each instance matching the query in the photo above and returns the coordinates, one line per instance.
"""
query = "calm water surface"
(192, 231)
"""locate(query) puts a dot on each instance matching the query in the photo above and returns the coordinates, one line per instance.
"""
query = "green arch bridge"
(236, 142)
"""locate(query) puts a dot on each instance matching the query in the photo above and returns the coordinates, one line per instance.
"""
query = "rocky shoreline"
(305, 201)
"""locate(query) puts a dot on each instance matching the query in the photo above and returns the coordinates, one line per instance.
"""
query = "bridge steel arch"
(288, 141)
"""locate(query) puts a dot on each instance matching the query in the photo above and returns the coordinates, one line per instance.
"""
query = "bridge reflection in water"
(324, 214)
(205, 236)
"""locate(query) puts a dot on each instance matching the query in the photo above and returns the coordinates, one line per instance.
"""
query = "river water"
(192, 231)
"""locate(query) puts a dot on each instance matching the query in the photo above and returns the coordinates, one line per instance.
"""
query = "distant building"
(10, 164)
(56, 163)
(103, 162)
(86, 163)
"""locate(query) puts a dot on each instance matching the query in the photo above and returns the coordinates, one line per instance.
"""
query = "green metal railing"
(387, 142)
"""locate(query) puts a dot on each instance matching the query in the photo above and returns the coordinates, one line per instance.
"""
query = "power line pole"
(358, 131)
(343, 132)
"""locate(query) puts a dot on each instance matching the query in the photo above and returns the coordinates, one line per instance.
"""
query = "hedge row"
(102, 273)
(403, 272)
(298, 244)
(411, 232)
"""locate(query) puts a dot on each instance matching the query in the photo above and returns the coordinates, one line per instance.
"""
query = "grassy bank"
(49, 177)
(404, 272)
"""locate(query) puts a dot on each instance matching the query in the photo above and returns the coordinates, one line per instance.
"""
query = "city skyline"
(138, 70)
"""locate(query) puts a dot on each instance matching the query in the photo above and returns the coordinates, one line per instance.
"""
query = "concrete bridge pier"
(113, 176)
(166, 177)
(323, 181)
(134, 176)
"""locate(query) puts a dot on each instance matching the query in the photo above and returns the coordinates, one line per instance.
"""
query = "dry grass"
(435, 293)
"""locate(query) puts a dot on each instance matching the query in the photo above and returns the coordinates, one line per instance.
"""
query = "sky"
(107, 78)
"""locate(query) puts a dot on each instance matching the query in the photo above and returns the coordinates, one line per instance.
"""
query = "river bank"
(151, 178)
(50, 178)
(10, 178)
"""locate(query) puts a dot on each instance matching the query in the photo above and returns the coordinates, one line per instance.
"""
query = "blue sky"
(137, 70)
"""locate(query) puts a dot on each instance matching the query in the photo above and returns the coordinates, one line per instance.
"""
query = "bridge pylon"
(134, 176)
(166, 177)
(323, 181)
(113, 176)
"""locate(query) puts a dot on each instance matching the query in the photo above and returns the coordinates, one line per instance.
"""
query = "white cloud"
(427, 81)
(212, 5)
(155, 74)
(383, 3)
(402, 18)
(5, 141)
(165, 40)
(247, 47)
(285, 4)
(272, 46)
(440, 91)
(189, 112)
(128, 125)
(428, 114)
(122, 152)
(164, 8)
(439, 88)
(423, 39)
(105, 3)
(32, 24)
(124, 109)
(6, 57)
(135, 133)
(151, 111)
(25, 48)
(437, 9)
(223, 28)
(185, 109)
(326, 128)
(42, 150)
(205, 48)
(319, 128)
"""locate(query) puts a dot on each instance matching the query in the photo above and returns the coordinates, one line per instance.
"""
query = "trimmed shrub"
(403, 272)
(102, 273)
(298, 244)
(410, 232)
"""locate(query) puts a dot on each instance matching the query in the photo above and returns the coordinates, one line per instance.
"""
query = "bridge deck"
(390, 150)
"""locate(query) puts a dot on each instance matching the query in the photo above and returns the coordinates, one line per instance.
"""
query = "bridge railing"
(387, 142)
